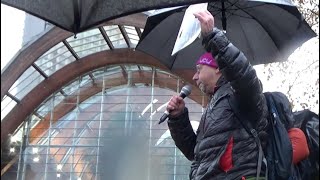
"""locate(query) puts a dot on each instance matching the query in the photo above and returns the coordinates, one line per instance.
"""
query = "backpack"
(279, 150)
(308, 122)
(278, 155)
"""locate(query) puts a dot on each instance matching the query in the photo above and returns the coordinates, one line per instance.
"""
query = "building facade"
(87, 107)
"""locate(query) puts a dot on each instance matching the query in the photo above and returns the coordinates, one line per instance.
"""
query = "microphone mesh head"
(186, 90)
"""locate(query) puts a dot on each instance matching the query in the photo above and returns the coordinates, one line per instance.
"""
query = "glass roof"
(76, 133)
(66, 52)
(6, 105)
(54, 59)
(26, 82)
(88, 42)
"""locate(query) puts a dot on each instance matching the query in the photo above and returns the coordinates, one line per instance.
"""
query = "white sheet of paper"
(189, 29)
(159, 11)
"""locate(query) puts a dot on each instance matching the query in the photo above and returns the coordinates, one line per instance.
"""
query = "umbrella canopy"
(80, 15)
(265, 32)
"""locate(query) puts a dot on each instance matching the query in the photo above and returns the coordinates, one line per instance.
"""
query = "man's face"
(206, 78)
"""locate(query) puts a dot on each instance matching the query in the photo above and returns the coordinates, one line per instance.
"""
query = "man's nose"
(195, 77)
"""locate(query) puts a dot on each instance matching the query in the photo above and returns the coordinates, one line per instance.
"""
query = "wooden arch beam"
(69, 103)
(37, 48)
(70, 72)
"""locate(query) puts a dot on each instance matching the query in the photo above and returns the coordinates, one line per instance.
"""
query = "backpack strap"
(248, 127)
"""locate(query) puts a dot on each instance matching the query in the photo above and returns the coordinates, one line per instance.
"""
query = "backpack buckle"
(254, 133)
(274, 115)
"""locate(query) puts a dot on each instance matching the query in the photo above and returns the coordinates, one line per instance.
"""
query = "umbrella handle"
(223, 18)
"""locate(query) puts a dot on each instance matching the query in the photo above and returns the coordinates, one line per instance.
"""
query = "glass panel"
(38, 129)
(71, 88)
(44, 108)
(133, 35)
(98, 73)
(7, 104)
(36, 163)
(54, 59)
(132, 67)
(85, 81)
(146, 68)
(107, 133)
(170, 75)
(10, 151)
(115, 36)
(113, 69)
(88, 42)
(26, 82)
(112, 30)
(33, 125)
(95, 101)
(58, 98)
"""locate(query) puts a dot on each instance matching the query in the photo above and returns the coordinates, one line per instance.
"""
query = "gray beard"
(201, 87)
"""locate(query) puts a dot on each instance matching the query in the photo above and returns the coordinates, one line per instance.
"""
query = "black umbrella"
(80, 15)
(266, 32)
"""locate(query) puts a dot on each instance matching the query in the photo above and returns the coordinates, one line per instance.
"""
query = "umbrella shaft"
(76, 13)
(223, 18)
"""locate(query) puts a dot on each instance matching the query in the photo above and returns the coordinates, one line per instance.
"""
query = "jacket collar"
(221, 81)
(220, 89)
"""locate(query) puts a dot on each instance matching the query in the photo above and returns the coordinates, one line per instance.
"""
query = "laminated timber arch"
(75, 69)
(53, 83)
(53, 36)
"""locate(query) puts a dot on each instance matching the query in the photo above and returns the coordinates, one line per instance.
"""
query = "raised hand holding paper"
(189, 29)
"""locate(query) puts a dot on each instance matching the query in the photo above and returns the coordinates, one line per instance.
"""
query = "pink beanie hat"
(207, 59)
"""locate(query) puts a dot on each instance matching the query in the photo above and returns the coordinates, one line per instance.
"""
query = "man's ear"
(217, 71)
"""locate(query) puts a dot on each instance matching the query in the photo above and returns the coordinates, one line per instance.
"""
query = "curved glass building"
(87, 107)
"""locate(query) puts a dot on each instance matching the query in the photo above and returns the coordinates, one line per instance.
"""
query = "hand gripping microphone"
(185, 91)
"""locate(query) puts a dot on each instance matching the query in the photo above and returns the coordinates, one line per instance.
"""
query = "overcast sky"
(12, 22)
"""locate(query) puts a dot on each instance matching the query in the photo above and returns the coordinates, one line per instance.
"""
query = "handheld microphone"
(185, 91)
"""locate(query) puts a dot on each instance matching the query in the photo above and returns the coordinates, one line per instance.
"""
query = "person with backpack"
(222, 148)
(308, 122)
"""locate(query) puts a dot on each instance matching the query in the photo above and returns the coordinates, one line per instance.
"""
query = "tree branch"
(298, 75)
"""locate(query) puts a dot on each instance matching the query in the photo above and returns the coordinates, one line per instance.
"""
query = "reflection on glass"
(54, 59)
(88, 42)
(25, 83)
(104, 134)
(7, 104)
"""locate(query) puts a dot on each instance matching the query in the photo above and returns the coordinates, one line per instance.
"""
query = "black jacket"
(219, 124)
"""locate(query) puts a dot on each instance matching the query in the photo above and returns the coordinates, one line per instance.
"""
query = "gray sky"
(12, 22)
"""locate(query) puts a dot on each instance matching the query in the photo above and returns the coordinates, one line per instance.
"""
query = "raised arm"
(231, 61)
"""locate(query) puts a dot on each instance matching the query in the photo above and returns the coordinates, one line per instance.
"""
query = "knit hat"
(207, 59)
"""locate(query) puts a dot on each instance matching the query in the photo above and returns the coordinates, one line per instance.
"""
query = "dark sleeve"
(243, 78)
(235, 68)
(183, 134)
